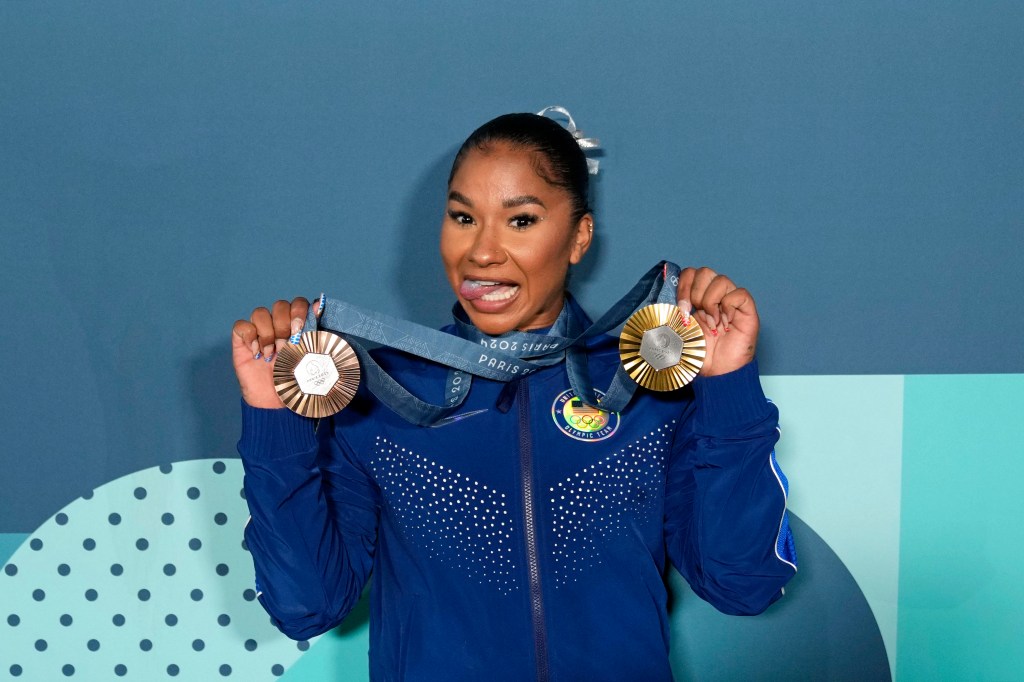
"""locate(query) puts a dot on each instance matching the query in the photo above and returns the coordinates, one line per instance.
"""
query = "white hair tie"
(585, 143)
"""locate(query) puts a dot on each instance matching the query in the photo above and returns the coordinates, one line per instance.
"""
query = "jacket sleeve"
(313, 520)
(726, 528)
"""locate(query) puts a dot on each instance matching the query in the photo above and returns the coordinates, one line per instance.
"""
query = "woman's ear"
(582, 236)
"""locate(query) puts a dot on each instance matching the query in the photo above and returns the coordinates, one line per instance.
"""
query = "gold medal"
(658, 351)
(318, 376)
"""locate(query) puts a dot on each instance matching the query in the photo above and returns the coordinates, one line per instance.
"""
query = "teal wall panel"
(962, 535)
(9, 542)
(841, 448)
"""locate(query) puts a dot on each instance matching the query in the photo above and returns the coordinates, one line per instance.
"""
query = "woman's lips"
(488, 295)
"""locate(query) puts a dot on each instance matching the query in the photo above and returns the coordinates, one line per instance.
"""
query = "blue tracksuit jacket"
(528, 539)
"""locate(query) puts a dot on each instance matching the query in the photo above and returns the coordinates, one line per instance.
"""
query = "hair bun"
(585, 143)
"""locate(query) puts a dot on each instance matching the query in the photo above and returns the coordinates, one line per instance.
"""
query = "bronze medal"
(318, 376)
(658, 351)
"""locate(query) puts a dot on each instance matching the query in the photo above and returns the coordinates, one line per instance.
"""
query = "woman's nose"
(487, 249)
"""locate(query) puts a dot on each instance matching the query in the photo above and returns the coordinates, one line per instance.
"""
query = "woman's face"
(508, 239)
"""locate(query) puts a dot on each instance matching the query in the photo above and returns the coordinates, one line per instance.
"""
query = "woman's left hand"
(727, 315)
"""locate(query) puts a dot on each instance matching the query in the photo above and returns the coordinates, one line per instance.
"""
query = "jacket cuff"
(274, 434)
(730, 400)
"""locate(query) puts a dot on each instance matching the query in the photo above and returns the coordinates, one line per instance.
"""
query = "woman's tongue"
(472, 290)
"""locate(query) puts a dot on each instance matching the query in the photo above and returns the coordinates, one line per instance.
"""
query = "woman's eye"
(521, 222)
(460, 218)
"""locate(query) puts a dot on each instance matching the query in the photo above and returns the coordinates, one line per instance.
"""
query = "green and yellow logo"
(578, 420)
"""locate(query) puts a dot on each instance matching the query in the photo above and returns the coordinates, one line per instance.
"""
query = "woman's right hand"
(254, 346)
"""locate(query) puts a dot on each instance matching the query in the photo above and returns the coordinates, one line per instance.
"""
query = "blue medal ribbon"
(507, 357)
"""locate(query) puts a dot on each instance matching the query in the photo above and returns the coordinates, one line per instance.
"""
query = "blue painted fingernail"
(268, 358)
(257, 356)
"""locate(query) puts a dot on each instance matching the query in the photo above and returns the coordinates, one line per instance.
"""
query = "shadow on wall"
(215, 401)
(424, 294)
(823, 629)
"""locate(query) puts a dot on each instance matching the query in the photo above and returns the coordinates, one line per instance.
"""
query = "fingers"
(711, 298)
(737, 302)
(299, 310)
(704, 289)
(281, 314)
(243, 333)
(683, 290)
(266, 330)
(264, 323)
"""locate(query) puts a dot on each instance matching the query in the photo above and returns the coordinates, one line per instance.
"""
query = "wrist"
(263, 401)
(274, 434)
(730, 400)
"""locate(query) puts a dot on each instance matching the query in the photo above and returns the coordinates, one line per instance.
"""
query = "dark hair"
(558, 157)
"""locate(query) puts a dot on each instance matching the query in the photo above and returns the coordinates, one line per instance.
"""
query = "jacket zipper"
(540, 641)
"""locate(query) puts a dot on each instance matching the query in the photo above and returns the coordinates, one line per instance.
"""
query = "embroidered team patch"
(578, 420)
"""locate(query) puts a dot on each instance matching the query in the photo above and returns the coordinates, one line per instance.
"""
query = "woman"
(522, 541)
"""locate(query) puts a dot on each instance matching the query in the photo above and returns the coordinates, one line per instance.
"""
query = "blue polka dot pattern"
(143, 577)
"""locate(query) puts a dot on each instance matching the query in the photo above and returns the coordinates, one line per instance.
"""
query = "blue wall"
(165, 167)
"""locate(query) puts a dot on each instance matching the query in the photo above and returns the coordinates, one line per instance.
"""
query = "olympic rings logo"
(588, 421)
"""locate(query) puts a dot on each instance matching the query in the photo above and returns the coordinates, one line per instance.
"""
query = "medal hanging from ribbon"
(660, 346)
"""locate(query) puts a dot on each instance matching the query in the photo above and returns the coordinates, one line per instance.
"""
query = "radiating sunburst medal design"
(658, 351)
(318, 376)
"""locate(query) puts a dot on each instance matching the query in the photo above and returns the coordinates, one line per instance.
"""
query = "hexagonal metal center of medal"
(661, 347)
(316, 374)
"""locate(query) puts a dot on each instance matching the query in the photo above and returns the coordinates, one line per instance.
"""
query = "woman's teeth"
(502, 294)
(487, 291)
